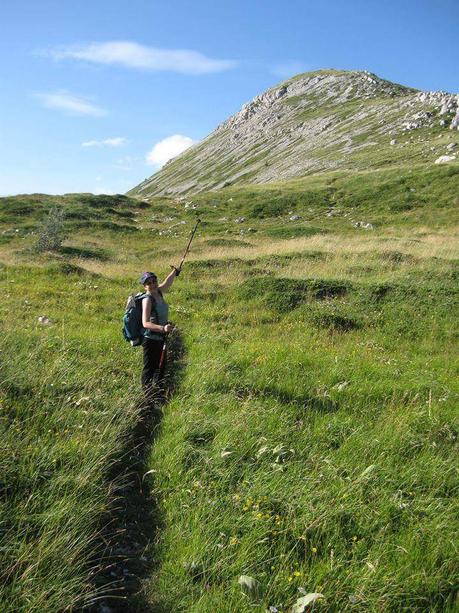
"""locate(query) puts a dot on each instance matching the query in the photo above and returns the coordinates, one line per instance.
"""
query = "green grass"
(313, 456)
(312, 440)
(67, 402)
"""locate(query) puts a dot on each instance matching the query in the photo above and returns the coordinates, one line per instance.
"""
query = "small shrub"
(51, 234)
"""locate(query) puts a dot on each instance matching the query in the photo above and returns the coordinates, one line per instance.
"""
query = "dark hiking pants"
(152, 350)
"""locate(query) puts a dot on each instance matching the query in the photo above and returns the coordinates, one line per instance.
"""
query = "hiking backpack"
(133, 331)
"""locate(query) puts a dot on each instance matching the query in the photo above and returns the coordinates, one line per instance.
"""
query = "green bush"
(51, 233)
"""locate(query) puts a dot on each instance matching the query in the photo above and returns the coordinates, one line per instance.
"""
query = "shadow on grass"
(299, 402)
(85, 253)
(128, 532)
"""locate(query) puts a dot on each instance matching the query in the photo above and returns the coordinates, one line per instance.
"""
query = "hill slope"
(313, 122)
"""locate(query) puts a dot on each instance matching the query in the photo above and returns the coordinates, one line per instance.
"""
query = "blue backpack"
(133, 330)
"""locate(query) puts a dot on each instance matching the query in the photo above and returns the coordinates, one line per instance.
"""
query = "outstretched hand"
(177, 270)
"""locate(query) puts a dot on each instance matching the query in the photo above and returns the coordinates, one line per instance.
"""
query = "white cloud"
(70, 104)
(106, 142)
(168, 148)
(289, 69)
(133, 55)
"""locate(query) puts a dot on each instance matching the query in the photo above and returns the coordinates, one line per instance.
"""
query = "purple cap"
(147, 275)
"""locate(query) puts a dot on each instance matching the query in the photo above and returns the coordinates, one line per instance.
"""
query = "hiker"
(155, 313)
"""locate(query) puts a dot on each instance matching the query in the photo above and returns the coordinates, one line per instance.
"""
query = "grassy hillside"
(312, 441)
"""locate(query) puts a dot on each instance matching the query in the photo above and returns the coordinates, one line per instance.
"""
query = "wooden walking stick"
(187, 247)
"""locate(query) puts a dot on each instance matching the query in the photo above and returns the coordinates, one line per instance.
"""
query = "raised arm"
(165, 285)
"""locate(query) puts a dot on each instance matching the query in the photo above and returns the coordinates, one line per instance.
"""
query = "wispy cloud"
(118, 141)
(290, 68)
(126, 163)
(133, 55)
(70, 104)
(168, 148)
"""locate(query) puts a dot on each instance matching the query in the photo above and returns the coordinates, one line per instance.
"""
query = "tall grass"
(67, 405)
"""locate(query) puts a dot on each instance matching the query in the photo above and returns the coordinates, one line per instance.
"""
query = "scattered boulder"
(363, 224)
(295, 218)
(44, 321)
(448, 106)
(411, 125)
(393, 141)
(451, 146)
(303, 603)
(249, 586)
(444, 159)
(455, 123)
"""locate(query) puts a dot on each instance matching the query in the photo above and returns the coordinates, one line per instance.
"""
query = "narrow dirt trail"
(124, 555)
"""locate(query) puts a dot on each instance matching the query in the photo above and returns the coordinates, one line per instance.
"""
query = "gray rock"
(455, 123)
(393, 141)
(444, 159)
(444, 109)
(45, 321)
(411, 125)
(363, 224)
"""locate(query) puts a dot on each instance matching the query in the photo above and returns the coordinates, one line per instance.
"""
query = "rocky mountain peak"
(312, 122)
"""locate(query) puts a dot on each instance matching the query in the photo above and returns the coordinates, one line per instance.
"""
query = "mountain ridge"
(313, 122)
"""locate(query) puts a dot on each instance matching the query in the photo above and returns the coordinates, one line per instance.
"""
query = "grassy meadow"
(310, 442)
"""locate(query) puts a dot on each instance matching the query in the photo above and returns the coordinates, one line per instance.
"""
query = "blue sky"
(93, 91)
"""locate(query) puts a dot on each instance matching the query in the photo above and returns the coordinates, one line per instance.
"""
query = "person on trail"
(155, 314)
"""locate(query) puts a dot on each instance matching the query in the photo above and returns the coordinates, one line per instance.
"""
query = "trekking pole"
(188, 246)
(163, 355)
(162, 358)
(163, 351)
